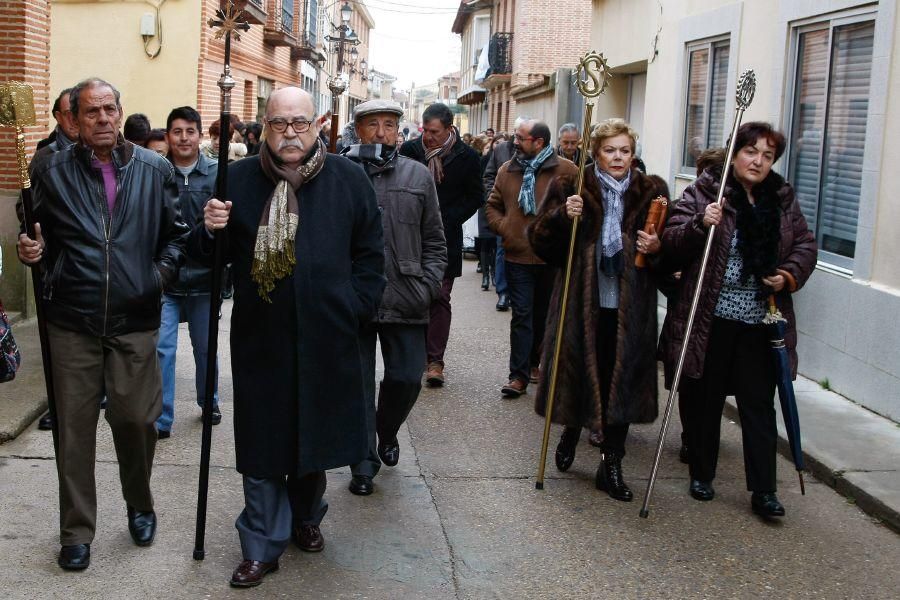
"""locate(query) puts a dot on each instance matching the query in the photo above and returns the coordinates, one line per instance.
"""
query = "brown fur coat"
(633, 394)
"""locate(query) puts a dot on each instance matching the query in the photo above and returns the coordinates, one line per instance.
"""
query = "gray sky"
(412, 40)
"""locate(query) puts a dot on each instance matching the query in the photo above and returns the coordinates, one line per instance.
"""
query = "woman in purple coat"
(762, 246)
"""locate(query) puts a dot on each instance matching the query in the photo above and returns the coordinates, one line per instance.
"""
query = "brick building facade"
(531, 41)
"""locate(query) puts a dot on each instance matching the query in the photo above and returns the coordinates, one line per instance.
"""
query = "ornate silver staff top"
(746, 88)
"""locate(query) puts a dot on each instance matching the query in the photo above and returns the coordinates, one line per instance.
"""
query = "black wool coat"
(460, 194)
(633, 392)
(298, 388)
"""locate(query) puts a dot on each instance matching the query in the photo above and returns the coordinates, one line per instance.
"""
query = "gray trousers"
(126, 370)
(274, 507)
(403, 351)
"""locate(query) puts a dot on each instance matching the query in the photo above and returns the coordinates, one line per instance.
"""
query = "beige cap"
(377, 106)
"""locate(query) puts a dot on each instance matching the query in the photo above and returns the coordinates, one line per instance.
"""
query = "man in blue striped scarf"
(517, 195)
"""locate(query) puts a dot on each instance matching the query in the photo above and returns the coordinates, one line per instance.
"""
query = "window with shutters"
(705, 91)
(833, 65)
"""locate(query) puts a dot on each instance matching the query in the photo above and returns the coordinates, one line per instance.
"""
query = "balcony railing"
(500, 53)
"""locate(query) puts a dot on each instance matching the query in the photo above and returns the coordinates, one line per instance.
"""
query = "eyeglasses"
(521, 138)
(280, 125)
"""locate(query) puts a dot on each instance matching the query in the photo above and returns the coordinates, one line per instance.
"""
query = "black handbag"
(10, 359)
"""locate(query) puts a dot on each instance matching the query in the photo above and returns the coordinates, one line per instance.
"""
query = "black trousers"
(607, 336)
(403, 351)
(739, 361)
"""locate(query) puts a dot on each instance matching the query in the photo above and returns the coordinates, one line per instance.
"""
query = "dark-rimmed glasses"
(280, 125)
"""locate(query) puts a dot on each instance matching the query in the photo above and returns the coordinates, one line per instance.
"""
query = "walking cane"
(228, 22)
(746, 88)
(17, 110)
(591, 77)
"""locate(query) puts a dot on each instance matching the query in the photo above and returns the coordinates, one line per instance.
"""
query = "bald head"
(291, 109)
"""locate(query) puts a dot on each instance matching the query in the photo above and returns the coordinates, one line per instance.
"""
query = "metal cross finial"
(228, 21)
(746, 88)
(591, 75)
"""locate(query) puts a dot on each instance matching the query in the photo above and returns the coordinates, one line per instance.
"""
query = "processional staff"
(17, 110)
(746, 88)
(591, 76)
(228, 23)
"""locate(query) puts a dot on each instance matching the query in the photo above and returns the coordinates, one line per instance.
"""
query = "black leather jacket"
(104, 273)
(193, 192)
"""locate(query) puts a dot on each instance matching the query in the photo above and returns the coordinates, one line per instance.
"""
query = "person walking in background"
(502, 150)
(137, 129)
(188, 298)
(512, 206)
(568, 144)
(455, 168)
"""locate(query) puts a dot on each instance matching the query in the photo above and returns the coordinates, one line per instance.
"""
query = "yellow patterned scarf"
(274, 257)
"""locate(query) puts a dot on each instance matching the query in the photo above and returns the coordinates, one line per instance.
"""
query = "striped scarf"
(434, 156)
(531, 167)
(613, 211)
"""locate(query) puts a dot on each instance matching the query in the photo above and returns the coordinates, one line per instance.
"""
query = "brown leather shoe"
(514, 389)
(535, 376)
(434, 374)
(250, 573)
(309, 538)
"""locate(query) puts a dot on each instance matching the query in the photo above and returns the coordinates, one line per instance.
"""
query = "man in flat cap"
(415, 257)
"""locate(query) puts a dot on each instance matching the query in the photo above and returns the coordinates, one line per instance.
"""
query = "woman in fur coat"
(607, 368)
(762, 246)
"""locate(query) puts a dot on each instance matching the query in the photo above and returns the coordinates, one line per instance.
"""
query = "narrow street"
(458, 517)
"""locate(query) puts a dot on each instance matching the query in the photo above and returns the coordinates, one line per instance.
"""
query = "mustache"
(291, 143)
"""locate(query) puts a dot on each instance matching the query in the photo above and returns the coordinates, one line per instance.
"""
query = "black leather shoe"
(766, 504)
(45, 423)
(75, 558)
(216, 416)
(250, 573)
(141, 526)
(609, 478)
(702, 490)
(389, 452)
(503, 303)
(683, 455)
(361, 485)
(485, 281)
(163, 434)
(565, 451)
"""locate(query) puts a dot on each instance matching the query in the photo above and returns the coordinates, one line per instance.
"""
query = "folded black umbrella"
(777, 326)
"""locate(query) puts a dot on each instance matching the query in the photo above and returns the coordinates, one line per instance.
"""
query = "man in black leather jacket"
(111, 237)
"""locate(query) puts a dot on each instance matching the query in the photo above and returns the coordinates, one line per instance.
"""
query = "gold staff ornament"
(591, 76)
(17, 110)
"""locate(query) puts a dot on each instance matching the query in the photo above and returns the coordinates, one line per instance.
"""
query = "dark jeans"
(530, 287)
(738, 360)
(500, 268)
(438, 331)
(614, 435)
(402, 348)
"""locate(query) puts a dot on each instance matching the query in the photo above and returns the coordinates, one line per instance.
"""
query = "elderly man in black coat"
(305, 241)
(457, 174)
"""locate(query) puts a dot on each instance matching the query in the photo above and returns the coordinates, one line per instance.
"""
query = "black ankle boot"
(565, 451)
(610, 479)
(486, 280)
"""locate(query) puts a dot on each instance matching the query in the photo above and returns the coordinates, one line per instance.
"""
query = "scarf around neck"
(373, 157)
(531, 167)
(434, 157)
(273, 256)
(611, 261)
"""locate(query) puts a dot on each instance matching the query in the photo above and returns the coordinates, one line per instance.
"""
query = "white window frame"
(829, 261)
(709, 45)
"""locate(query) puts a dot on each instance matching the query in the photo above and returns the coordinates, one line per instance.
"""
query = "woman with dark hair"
(762, 246)
(607, 372)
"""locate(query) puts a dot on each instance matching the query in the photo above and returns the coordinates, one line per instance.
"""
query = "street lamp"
(337, 84)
